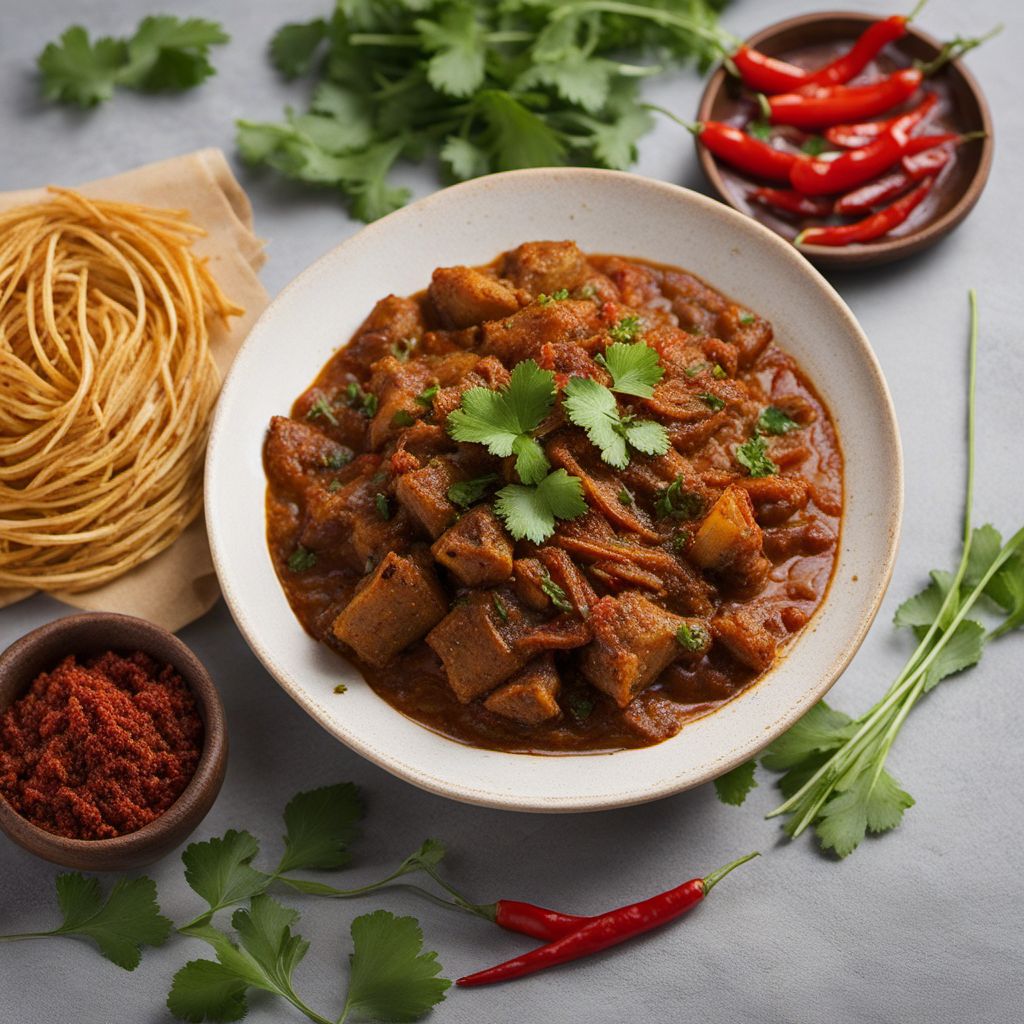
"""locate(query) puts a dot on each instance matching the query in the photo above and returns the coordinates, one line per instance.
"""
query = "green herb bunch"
(482, 86)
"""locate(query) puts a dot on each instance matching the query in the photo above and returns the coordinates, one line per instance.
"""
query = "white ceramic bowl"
(604, 212)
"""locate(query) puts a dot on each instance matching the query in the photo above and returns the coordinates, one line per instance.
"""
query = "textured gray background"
(922, 925)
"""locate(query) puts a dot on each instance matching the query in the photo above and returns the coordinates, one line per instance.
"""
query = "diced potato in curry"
(683, 580)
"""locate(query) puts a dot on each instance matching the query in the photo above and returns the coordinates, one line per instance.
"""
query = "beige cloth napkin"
(178, 585)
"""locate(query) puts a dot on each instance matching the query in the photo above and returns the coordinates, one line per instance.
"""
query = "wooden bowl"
(811, 40)
(92, 633)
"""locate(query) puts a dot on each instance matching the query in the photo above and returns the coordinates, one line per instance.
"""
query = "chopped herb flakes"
(426, 397)
(718, 373)
(334, 486)
(500, 607)
(673, 502)
(579, 706)
(775, 421)
(556, 594)
(625, 498)
(301, 559)
(747, 318)
(364, 401)
(383, 506)
(559, 296)
(341, 688)
(754, 457)
(337, 459)
(713, 402)
(626, 330)
(403, 418)
(403, 348)
(468, 492)
(321, 409)
(691, 638)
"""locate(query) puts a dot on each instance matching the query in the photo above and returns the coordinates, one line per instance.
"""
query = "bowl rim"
(465, 792)
(863, 253)
(202, 788)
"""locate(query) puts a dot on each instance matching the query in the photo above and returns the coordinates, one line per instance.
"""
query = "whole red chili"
(850, 136)
(606, 930)
(829, 105)
(869, 228)
(869, 44)
(881, 190)
(788, 200)
(99, 748)
(538, 922)
(766, 74)
(746, 153)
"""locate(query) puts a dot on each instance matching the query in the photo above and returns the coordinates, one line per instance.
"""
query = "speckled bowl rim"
(134, 849)
(865, 254)
(253, 593)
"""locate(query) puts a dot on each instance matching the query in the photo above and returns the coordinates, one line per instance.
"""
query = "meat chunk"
(396, 385)
(731, 543)
(394, 320)
(775, 498)
(653, 718)
(529, 578)
(745, 639)
(295, 452)
(564, 573)
(424, 494)
(476, 647)
(463, 297)
(634, 641)
(476, 550)
(750, 334)
(524, 334)
(531, 695)
(810, 538)
(397, 604)
(546, 266)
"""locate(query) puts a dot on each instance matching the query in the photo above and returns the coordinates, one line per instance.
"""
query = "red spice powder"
(99, 749)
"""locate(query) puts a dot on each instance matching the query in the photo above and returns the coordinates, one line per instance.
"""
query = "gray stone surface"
(923, 925)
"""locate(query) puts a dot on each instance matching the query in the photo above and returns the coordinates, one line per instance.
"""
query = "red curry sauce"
(342, 522)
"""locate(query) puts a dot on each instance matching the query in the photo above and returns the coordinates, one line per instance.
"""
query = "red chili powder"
(99, 749)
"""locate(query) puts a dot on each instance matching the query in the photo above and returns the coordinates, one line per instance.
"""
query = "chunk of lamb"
(546, 267)
(634, 642)
(729, 542)
(296, 454)
(745, 639)
(392, 321)
(530, 697)
(463, 297)
(396, 385)
(397, 604)
(476, 550)
(423, 493)
(776, 498)
(523, 335)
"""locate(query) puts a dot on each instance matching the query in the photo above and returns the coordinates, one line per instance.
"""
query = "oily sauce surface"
(683, 318)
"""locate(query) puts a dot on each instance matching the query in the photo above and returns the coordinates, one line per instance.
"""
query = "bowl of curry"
(556, 463)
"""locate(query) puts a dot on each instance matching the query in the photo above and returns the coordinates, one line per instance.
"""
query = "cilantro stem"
(721, 39)
(415, 42)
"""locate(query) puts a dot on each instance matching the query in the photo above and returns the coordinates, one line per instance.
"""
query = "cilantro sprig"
(485, 87)
(833, 767)
(634, 368)
(165, 54)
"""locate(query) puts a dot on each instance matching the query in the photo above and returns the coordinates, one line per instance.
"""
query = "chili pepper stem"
(694, 127)
(918, 8)
(710, 881)
(764, 106)
(954, 50)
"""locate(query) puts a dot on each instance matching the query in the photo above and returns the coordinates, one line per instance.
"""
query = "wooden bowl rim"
(73, 634)
(864, 253)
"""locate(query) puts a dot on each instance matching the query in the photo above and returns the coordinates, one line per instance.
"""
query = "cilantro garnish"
(403, 418)
(363, 401)
(337, 459)
(718, 373)
(775, 421)
(321, 409)
(680, 539)
(334, 486)
(747, 318)
(382, 505)
(626, 330)
(503, 420)
(634, 368)
(753, 455)
(555, 593)
(500, 607)
(467, 492)
(580, 707)
(558, 296)
(676, 503)
(814, 145)
(625, 498)
(426, 397)
(760, 130)
(733, 786)
(592, 406)
(694, 368)
(164, 54)
(341, 688)
(529, 512)
(691, 638)
(713, 402)
(301, 559)
(403, 348)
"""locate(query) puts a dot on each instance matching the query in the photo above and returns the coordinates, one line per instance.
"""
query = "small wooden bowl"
(955, 193)
(92, 633)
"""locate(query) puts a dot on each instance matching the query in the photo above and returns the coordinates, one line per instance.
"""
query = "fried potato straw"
(107, 384)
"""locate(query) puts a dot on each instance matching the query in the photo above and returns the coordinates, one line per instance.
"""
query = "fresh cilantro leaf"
(613, 138)
(350, 112)
(754, 457)
(390, 977)
(467, 492)
(502, 420)
(821, 730)
(760, 130)
(75, 70)
(1006, 588)
(592, 406)
(873, 803)
(814, 145)
(691, 638)
(921, 610)
(382, 505)
(961, 650)
(168, 53)
(364, 401)
(625, 498)
(220, 870)
(628, 329)
(403, 418)
(713, 402)
(775, 421)
(581, 79)
(294, 47)
(635, 368)
(320, 824)
(555, 594)
(557, 296)
(530, 512)
(301, 559)
(206, 990)
(458, 49)
(516, 137)
(733, 786)
(426, 397)
(986, 543)
(464, 158)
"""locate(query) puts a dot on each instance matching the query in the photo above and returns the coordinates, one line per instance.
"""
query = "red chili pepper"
(881, 190)
(788, 200)
(857, 166)
(538, 922)
(871, 42)
(834, 104)
(746, 153)
(767, 74)
(606, 930)
(869, 228)
(851, 136)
